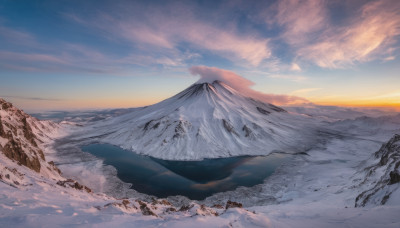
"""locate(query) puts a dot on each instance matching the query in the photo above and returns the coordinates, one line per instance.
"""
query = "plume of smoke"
(242, 85)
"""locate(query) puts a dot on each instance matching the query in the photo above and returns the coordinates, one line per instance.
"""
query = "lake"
(194, 179)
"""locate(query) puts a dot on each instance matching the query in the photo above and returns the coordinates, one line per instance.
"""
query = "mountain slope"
(382, 178)
(22, 139)
(206, 120)
(34, 194)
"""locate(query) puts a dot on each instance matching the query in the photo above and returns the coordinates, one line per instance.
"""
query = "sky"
(66, 55)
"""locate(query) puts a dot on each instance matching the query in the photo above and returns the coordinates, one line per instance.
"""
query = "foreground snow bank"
(317, 189)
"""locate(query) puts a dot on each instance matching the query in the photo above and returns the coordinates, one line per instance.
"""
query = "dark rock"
(2, 132)
(28, 134)
(232, 204)
(7, 176)
(54, 167)
(146, 125)
(389, 161)
(73, 184)
(301, 153)
(388, 149)
(145, 209)
(125, 202)
(170, 209)
(228, 126)
(394, 177)
(164, 202)
(385, 198)
(219, 206)
(247, 131)
(276, 108)
(186, 207)
(263, 111)
(196, 89)
(179, 130)
(14, 151)
(5, 105)
(156, 125)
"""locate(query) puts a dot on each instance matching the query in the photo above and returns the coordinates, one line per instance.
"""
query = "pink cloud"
(16, 36)
(300, 18)
(68, 61)
(366, 38)
(161, 32)
(367, 34)
(242, 85)
(31, 57)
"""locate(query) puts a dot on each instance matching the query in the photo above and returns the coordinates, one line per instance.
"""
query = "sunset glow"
(86, 55)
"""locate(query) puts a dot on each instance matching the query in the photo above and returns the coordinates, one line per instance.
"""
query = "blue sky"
(108, 54)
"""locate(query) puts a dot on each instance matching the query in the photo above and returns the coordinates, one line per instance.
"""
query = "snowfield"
(207, 120)
(347, 176)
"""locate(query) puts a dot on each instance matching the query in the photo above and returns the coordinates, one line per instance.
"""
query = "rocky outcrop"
(394, 177)
(232, 204)
(180, 129)
(389, 150)
(2, 132)
(21, 142)
(228, 126)
(263, 111)
(384, 175)
(276, 108)
(145, 209)
(14, 151)
(73, 184)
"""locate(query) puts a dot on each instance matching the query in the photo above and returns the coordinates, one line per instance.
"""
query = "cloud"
(300, 19)
(288, 77)
(242, 85)
(306, 90)
(364, 39)
(375, 28)
(365, 31)
(159, 31)
(31, 57)
(389, 58)
(395, 94)
(31, 98)
(15, 36)
(295, 67)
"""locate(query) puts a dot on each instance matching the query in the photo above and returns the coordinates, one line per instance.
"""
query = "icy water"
(194, 179)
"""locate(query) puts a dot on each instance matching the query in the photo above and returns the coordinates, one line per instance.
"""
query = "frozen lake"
(194, 179)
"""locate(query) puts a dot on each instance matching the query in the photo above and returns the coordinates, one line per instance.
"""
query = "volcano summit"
(206, 120)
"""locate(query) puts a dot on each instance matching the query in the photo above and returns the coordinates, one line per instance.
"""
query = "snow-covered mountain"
(382, 177)
(319, 189)
(34, 193)
(23, 139)
(206, 120)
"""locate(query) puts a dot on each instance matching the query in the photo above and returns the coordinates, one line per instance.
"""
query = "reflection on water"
(206, 170)
(194, 179)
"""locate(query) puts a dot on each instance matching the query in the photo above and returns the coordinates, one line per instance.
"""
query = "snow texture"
(324, 187)
(207, 120)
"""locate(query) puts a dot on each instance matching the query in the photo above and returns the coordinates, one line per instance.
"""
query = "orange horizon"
(88, 104)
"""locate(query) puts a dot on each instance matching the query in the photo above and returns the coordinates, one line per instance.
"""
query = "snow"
(3, 141)
(317, 189)
(205, 121)
(335, 113)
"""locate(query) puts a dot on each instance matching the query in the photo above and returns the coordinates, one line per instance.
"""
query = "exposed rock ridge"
(383, 184)
(20, 143)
